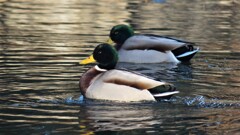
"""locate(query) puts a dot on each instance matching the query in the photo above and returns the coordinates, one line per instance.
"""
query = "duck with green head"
(148, 48)
(105, 82)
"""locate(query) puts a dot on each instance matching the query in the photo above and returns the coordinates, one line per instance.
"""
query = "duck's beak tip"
(109, 41)
(88, 60)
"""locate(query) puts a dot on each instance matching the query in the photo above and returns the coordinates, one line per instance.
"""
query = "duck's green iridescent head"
(120, 33)
(106, 55)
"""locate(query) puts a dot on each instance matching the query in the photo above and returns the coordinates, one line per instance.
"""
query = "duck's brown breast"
(86, 79)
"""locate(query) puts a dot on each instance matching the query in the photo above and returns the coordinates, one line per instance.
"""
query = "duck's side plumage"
(148, 49)
(117, 85)
(146, 56)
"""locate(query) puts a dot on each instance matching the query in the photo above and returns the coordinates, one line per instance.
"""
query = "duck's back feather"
(155, 49)
(170, 38)
(142, 42)
(121, 86)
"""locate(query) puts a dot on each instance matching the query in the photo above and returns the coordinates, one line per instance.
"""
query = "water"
(41, 42)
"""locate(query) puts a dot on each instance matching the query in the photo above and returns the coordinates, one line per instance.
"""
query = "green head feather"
(106, 55)
(120, 33)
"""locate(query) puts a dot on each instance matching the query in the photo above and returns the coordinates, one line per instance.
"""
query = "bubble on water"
(67, 100)
(201, 101)
(74, 100)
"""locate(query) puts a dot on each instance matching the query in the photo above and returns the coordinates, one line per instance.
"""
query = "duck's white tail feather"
(166, 94)
(188, 53)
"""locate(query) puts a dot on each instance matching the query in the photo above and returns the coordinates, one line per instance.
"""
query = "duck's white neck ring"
(100, 69)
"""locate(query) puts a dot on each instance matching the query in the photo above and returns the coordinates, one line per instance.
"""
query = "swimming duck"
(149, 48)
(104, 82)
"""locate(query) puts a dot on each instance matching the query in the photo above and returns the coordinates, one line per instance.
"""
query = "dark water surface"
(41, 42)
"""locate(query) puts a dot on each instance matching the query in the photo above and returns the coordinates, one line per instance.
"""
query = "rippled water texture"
(41, 42)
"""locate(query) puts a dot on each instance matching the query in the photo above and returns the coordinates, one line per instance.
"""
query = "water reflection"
(117, 117)
(212, 24)
(41, 42)
(113, 118)
(152, 118)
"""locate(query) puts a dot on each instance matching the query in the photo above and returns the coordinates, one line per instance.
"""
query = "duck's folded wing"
(159, 43)
(131, 79)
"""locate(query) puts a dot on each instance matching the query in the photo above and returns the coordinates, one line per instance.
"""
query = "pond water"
(41, 42)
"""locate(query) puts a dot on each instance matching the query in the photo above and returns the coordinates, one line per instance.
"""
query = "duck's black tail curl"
(185, 53)
(163, 91)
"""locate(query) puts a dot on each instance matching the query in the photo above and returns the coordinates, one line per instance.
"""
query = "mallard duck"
(149, 48)
(106, 83)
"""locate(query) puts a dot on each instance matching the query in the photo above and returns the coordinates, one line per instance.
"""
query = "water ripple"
(41, 42)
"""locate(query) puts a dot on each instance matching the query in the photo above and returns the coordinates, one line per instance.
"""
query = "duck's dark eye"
(116, 32)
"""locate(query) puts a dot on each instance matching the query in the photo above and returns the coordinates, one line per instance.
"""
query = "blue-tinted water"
(42, 41)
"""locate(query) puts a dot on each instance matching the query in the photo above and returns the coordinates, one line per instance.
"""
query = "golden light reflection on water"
(42, 41)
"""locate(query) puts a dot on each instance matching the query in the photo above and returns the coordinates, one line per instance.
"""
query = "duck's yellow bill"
(110, 42)
(88, 60)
